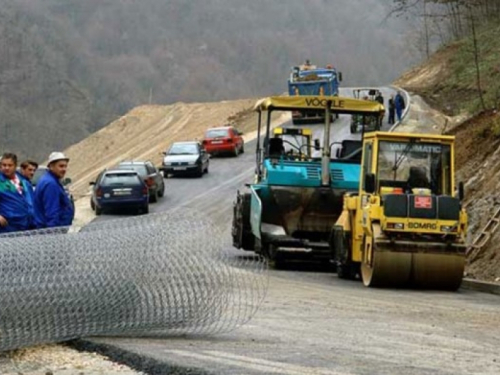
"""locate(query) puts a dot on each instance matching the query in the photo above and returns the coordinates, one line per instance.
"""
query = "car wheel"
(206, 169)
(153, 198)
(242, 150)
(235, 151)
(161, 193)
(144, 210)
(92, 204)
(98, 210)
(199, 173)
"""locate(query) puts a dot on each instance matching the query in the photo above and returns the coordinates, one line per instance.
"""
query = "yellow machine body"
(406, 226)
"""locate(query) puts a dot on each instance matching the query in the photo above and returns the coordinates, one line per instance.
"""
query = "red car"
(224, 140)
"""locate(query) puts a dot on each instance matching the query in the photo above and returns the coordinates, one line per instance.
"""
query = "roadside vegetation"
(68, 68)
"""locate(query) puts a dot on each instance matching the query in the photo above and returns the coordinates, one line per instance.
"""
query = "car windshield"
(183, 149)
(418, 165)
(215, 133)
(139, 168)
(120, 179)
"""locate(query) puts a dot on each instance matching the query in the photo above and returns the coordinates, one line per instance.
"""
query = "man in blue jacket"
(400, 104)
(16, 198)
(53, 207)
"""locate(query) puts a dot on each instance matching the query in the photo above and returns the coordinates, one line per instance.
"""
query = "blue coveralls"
(15, 207)
(53, 207)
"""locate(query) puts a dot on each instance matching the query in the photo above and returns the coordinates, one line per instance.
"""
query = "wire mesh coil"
(167, 274)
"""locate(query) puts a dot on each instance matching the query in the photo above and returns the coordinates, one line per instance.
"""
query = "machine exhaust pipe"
(325, 159)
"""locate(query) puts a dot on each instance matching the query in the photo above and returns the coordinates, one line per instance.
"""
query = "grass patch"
(495, 127)
(463, 70)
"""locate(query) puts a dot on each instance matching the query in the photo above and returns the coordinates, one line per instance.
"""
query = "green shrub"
(495, 127)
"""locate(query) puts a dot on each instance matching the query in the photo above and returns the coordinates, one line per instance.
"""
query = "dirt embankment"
(478, 161)
(146, 131)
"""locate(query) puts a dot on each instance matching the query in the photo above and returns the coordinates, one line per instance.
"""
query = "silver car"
(185, 158)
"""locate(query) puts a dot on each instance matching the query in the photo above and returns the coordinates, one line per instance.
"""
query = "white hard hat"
(55, 156)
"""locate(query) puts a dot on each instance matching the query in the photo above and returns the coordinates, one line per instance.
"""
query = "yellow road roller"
(406, 226)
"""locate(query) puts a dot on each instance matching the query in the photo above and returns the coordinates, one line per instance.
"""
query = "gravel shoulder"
(59, 360)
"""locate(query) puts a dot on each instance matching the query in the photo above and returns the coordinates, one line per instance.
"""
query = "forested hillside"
(69, 67)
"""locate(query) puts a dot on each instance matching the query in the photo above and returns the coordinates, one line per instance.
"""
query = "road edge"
(139, 362)
(480, 286)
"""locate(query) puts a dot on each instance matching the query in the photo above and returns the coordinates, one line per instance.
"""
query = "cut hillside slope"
(146, 131)
(478, 159)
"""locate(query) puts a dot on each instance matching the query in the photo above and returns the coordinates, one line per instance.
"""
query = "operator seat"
(418, 178)
(276, 148)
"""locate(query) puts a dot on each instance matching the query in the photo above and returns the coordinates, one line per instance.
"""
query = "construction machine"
(365, 123)
(290, 209)
(405, 227)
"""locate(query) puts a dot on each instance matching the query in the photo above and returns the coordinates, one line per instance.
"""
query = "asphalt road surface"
(313, 323)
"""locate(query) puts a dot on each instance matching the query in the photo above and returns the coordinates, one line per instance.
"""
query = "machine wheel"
(206, 169)
(347, 271)
(242, 150)
(382, 268)
(98, 210)
(341, 254)
(268, 252)
(235, 151)
(92, 204)
(277, 260)
(353, 128)
(243, 237)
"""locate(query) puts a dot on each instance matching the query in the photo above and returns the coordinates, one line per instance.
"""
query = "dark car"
(224, 140)
(118, 189)
(150, 174)
(185, 158)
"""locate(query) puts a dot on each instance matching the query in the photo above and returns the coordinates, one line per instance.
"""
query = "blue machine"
(310, 80)
(295, 201)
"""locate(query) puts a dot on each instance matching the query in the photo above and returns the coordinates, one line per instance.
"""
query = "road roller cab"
(289, 210)
(405, 226)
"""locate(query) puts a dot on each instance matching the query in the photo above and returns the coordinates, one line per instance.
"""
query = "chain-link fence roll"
(163, 274)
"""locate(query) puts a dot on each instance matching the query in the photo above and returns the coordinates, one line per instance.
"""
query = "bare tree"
(476, 53)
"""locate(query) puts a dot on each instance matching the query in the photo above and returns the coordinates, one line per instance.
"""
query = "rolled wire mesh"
(168, 274)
